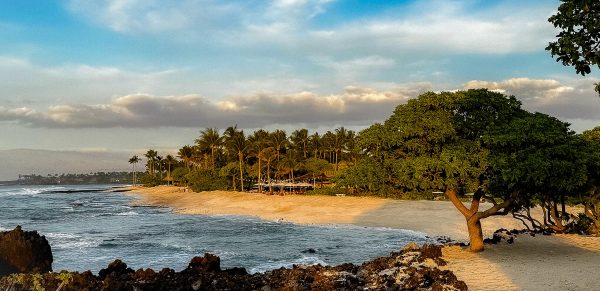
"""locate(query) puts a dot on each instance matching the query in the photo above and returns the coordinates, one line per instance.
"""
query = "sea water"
(88, 227)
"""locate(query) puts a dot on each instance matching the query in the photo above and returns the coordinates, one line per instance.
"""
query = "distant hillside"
(43, 162)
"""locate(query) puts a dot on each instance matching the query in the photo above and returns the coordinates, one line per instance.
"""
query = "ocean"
(88, 228)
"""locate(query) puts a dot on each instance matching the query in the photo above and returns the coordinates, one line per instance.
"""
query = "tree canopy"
(578, 42)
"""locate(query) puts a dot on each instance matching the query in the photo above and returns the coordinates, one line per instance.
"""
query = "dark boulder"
(208, 263)
(116, 268)
(24, 252)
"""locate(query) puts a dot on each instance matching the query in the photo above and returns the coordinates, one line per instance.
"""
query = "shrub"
(207, 180)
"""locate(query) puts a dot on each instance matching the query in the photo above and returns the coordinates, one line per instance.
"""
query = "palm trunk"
(259, 180)
(269, 177)
(240, 157)
(212, 156)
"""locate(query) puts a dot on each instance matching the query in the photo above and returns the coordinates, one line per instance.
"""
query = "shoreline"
(434, 218)
(556, 262)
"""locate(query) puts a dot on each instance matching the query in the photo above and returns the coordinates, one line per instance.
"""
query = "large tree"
(434, 143)
(578, 42)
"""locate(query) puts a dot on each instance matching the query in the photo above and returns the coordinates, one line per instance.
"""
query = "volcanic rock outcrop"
(413, 268)
(24, 252)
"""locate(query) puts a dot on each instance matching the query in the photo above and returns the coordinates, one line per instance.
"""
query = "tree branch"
(491, 199)
(453, 197)
(476, 199)
(496, 208)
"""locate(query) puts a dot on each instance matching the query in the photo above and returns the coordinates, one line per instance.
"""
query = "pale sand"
(562, 262)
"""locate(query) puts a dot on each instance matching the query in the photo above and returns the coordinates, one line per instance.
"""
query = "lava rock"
(24, 252)
(208, 263)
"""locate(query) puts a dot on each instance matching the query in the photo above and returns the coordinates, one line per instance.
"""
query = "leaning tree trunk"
(475, 233)
(472, 216)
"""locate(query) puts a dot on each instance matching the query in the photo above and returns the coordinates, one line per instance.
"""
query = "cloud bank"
(353, 106)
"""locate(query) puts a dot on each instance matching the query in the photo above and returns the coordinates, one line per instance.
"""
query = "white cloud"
(575, 100)
(25, 83)
(425, 27)
(151, 16)
(352, 106)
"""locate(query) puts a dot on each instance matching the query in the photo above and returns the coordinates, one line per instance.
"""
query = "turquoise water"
(88, 229)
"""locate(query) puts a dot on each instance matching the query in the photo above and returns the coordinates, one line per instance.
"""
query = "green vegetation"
(74, 179)
(471, 146)
(578, 43)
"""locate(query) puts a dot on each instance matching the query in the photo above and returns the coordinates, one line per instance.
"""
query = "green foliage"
(180, 176)
(207, 180)
(38, 283)
(536, 155)
(316, 166)
(578, 42)
(580, 225)
(150, 180)
(426, 153)
(366, 176)
(64, 277)
(75, 179)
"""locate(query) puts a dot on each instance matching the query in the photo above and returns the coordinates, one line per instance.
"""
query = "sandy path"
(561, 262)
(531, 263)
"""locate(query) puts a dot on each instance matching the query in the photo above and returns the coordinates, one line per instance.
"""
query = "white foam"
(69, 241)
(128, 213)
(303, 261)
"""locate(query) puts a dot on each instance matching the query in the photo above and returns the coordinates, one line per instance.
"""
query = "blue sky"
(126, 75)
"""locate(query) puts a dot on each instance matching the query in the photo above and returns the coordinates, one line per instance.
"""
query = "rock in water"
(24, 252)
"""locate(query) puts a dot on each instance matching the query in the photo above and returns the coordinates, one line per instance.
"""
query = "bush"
(581, 224)
(207, 180)
(150, 181)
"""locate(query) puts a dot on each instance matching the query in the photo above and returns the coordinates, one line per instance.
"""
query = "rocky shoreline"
(413, 268)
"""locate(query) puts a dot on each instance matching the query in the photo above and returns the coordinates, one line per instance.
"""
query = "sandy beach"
(558, 262)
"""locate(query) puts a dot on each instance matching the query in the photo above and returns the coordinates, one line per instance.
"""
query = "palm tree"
(259, 140)
(315, 143)
(134, 160)
(169, 160)
(279, 141)
(159, 162)
(339, 143)
(237, 144)
(328, 145)
(151, 156)
(352, 147)
(210, 139)
(268, 155)
(300, 140)
(186, 153)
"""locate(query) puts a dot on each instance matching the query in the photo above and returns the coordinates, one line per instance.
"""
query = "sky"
(128, 75)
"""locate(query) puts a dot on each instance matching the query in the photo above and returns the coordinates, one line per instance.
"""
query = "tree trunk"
(472, 217)
(269, 177)
(475, 233)
(241, 157)
(259, 180)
